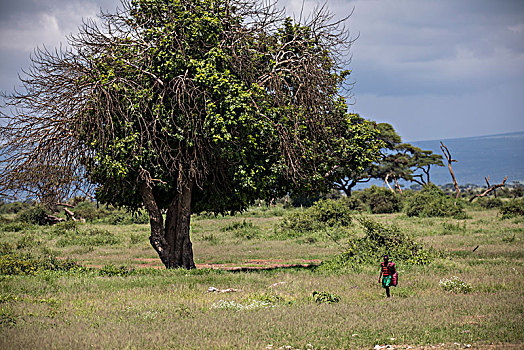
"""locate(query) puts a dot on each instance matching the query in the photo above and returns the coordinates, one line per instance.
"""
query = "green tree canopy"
(398, 161)
(183, 106)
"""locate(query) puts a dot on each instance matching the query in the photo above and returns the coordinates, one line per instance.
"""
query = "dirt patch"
(254, 264)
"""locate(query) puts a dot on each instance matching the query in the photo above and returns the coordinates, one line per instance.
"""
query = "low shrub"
(380, 200)
(112, 270)
(87, 210)
(512, 208)
(379, 240)
(64, 228)
(25, 264)
(490, 203)
(13, 208)
(323, 214)
(325, 297)
(243, 229)
(36, 215)
(432, 202)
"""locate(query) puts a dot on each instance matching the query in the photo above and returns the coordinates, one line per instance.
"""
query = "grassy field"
(144, 307)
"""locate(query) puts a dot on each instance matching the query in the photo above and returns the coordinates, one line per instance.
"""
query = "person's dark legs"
(387, 292)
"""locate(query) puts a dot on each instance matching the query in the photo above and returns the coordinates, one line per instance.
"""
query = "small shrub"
(490, 203)
(87, 210)
(512, 208)
(325, 297)
(323, 214)
(35, 215)
(432, 202)
(63, 228)
(378, 241)
(13, 208)
(380, 200)
(18, 264)
(243, 229)
(455, 285)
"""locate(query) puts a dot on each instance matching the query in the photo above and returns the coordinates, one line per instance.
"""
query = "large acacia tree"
(183, 106)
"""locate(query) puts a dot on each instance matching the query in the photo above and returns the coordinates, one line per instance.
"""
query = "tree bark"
(177, 227)
(171, 241)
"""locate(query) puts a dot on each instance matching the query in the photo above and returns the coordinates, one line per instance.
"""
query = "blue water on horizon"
(477, 157)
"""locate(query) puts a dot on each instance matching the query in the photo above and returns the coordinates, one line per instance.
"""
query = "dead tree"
(489, 189)
(450, 160)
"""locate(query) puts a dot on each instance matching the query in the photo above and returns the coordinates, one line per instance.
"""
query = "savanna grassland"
(120, 298)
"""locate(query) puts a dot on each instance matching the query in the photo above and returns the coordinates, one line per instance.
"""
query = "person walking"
(388, 272)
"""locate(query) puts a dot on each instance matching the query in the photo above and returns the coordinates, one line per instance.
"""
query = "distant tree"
(398, 161)
(188, 106)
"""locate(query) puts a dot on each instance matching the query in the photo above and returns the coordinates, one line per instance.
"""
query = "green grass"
(148, 308)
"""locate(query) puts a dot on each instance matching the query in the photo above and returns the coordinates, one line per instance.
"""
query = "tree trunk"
(176, 229)
(171, 241)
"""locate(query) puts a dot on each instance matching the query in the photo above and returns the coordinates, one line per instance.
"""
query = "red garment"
(386, 269)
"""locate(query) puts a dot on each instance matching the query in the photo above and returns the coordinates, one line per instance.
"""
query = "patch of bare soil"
(255, 264)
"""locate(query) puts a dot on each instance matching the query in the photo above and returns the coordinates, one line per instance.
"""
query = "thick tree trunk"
(171, 241)
(176, 229)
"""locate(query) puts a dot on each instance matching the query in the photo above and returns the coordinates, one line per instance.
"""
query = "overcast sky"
(433, 69)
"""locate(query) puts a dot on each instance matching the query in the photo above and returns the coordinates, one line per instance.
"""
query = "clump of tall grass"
(243, 229)
(91, 237)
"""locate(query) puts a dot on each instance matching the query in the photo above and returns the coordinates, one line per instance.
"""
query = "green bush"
(323, 214)
(87, 210)
(432, 202)
(512, 208)
(379, 240)
(380, 200)
(490, 203)
(325, 297)
(25, 264)
(64, 228)
(13, 208)
(36, 215)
